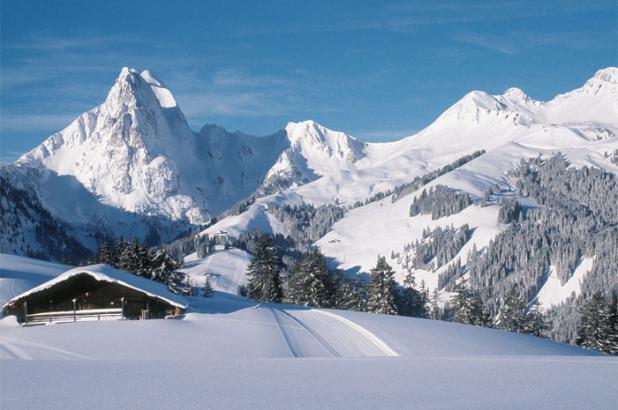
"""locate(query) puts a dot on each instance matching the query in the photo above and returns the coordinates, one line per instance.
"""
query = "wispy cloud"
(501, 45)
(75, 74)
(409, 17)
(236, 78)
(234, 92)
(518, 41)
(13, 122)
(54, 44)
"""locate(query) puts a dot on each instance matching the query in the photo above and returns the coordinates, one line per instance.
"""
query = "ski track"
(371, 337)
(315, 334)
(62, 352)
(14, 351)
(287, 335)
(339, 336)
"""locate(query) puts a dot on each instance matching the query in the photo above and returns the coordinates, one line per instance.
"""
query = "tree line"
(311, 283)
(135, 258)
(409, 187)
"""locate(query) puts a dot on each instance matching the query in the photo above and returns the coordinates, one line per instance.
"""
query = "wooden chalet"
(96, 292)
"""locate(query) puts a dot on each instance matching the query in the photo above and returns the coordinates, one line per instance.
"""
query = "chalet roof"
(106, 273)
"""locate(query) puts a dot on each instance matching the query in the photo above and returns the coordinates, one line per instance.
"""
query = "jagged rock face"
(128, 149)
(137, 152)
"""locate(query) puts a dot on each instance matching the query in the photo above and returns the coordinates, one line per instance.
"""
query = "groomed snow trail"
(340, 337)
(12, 351)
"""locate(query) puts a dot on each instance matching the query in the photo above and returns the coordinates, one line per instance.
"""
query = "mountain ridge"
(136, 152)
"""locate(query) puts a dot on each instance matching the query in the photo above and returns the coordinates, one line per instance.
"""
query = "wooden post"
(122, 304)
(25, 312)
(74, 309)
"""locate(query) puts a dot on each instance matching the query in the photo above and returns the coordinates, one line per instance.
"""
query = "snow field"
(232, 353)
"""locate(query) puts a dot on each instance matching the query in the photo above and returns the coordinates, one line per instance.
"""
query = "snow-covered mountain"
(135, 155)
(582, 124)
(137, 152)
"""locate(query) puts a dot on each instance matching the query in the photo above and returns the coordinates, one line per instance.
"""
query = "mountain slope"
(510, 127)
(55, 217)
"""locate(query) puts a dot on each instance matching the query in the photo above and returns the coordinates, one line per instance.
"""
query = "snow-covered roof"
(106, 273)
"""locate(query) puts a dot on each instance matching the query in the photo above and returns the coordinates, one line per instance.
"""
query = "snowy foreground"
(231, 353)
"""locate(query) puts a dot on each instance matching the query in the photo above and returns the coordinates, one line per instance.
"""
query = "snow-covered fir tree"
(509, 211)
(135, 258)
(264, 282)
(308, 284)
(106, 254)
(207, 289)
(162, 265)
(515, 316)
(350, 294)
(435, 312)
(536, 321)
(598, 329)
(440, 201)
(407, 298)
(512, 313)
(467, 307)
(381, 289)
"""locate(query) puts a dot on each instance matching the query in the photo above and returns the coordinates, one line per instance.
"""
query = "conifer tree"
(512, 314)
(207, 289)
(106, 254)
(536, 323)
(381, 291)
(422, 301)
(162, 266)
(127, 258)
(412, 302)
(435, 312)
(351, 294)
(407, 301)
(344, 294)
(597, 328)
(467, 307)
(142, 261)
(119, 248)
(263, 272)
(307, 285)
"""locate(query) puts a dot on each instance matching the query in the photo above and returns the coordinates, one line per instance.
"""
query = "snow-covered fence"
(73, 316)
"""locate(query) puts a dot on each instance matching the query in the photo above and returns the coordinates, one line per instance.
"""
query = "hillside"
(227, 344)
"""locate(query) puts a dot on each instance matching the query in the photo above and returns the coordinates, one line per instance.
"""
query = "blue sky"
(377, 70)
